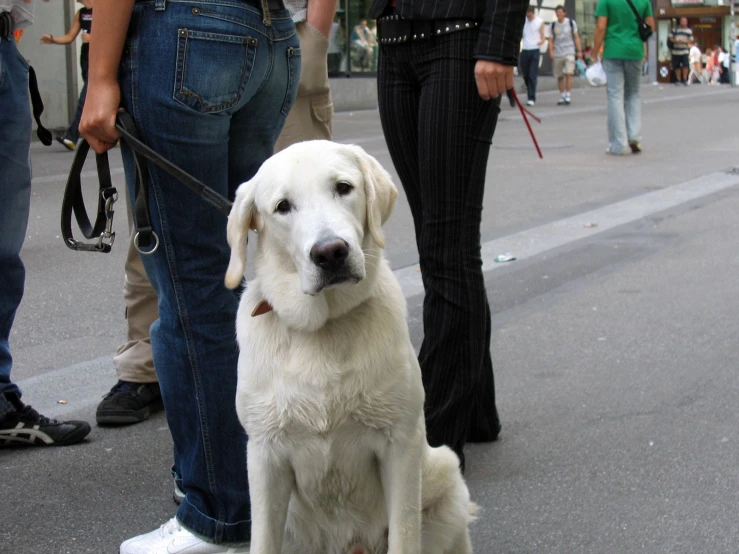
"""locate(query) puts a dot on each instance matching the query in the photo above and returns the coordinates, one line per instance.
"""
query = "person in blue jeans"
(20, 424)
(623, 58)
(209, 86)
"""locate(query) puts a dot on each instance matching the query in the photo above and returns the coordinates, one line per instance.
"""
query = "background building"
(710, 21)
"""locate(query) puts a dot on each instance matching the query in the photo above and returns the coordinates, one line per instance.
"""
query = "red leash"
(524, 111)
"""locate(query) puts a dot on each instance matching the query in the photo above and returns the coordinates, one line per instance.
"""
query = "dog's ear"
(243, 217)
(380, 193)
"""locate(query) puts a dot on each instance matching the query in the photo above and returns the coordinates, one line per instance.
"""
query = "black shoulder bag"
(645, 31)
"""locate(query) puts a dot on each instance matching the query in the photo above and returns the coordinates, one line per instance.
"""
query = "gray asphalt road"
(614, 345)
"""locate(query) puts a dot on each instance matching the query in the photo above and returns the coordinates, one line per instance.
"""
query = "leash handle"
(524, 111)
(145, 239)
(102, 230)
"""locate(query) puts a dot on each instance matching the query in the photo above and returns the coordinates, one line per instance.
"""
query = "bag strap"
(639, 18)
(42, 132)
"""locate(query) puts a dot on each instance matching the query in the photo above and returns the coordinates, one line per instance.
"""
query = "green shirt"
(622, 41)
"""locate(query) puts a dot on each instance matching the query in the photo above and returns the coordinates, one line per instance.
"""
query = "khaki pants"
(309, 118)
(133, 361)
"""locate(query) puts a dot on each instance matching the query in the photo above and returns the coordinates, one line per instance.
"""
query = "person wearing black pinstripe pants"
(442, 69)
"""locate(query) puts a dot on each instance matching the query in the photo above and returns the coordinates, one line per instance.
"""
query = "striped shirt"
(500, 29)
(680, 37)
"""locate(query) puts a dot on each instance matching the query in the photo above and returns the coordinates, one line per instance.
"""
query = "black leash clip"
(102, 230)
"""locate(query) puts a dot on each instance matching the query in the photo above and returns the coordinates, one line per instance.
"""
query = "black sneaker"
(128, 403)
(24, 426)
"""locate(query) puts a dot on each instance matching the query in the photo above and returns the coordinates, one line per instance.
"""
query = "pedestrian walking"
(217, 118)
(696, 66)
(724, 65)
(82, 24)
(624, 53)
(564, 49)
(679, 44)
(20, 424)
(439, 97)
(533, 38)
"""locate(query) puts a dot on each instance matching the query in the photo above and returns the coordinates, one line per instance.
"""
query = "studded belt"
(393, 29)
(6, 24)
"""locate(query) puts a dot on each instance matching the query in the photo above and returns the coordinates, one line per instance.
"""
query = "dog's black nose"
(330, 255)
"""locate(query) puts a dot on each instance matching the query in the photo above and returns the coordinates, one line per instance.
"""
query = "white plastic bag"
(596, 75)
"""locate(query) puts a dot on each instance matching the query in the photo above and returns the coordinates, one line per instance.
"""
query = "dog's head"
(319, 207)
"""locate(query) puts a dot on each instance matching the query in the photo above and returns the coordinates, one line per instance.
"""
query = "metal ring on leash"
(146, 252)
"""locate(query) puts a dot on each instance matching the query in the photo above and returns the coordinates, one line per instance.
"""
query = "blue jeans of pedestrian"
(624, 103)
(530, 71)
(15, 197)
(209, 86)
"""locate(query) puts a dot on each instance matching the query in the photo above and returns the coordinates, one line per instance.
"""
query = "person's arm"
(601, 25)
(497, 47)
(74, 30)
(103, 91)
(542, 34)
(551, 46)
(321, 14)
(578, 45)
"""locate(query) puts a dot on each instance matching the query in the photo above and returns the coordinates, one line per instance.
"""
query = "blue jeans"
(530, 70)
(209, 86)
(15, 197)
(624, 103)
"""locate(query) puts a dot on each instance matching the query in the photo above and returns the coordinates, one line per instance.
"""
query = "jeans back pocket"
(213, 69)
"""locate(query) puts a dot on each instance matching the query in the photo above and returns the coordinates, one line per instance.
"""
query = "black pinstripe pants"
(439, 132)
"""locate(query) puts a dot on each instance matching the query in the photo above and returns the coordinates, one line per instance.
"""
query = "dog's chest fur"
(330, 402)
(294, 384)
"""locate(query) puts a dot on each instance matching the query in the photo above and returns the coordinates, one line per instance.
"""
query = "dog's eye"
(283, 207)
(343, 188)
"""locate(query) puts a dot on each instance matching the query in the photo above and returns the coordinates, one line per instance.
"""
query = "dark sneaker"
(24, 426)
(635, 147)
(128, 403)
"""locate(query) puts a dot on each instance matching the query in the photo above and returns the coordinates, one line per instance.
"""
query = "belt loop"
(265, 11)
(160, 5)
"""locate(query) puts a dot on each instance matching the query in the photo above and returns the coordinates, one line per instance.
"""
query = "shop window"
(353, 47)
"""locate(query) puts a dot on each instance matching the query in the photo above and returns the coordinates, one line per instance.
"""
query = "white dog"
(329, 387)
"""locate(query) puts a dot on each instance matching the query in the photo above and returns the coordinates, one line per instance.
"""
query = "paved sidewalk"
(614, 344)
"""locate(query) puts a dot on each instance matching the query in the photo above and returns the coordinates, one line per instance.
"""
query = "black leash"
(145, 239)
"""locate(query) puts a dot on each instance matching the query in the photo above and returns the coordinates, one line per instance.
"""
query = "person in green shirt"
(617, 30)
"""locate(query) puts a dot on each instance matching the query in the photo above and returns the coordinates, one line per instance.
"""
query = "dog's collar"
(262, 308)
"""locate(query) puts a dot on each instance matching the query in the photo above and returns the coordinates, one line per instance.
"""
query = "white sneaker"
(171, 538)
(530, 103)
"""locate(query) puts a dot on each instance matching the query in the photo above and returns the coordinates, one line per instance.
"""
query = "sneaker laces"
(29, 413)
(170, 528)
